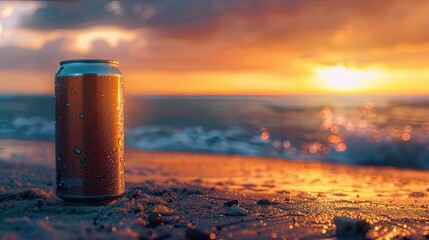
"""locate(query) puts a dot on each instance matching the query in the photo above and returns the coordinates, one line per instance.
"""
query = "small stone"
(34, 193)
(283, 192)
(162, 209)
(155, 218)
(198, 234)
(140, 221)
(265, 202)
(179, 225)
(417, 194)
(235, 210)
(230, 203)
(137, 194)
(350, 228)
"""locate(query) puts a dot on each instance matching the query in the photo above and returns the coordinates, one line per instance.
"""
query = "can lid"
(90, 61)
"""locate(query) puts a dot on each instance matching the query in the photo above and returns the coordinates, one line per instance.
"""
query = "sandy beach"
(201, 196)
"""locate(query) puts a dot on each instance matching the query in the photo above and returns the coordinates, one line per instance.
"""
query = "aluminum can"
(89, 131)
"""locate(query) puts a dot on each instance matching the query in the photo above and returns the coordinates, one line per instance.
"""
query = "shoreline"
(47, 150)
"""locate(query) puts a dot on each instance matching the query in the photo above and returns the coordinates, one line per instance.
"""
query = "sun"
(341, 78)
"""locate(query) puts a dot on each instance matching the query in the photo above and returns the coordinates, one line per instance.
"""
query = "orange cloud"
(230, 47)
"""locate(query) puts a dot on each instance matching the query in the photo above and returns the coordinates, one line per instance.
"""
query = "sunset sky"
(222, 46)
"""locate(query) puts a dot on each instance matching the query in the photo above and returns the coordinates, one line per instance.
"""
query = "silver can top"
(89, 61)
(80, 67)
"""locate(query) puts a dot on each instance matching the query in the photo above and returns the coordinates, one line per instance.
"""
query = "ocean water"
(365, 130)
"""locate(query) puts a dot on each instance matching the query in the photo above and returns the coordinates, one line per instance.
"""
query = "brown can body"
(89, 141)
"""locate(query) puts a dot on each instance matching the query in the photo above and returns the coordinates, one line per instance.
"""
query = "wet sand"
(184, 196)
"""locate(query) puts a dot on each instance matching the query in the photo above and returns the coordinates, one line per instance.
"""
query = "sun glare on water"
(340, 78)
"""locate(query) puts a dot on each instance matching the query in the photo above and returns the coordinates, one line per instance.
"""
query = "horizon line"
(240, 95)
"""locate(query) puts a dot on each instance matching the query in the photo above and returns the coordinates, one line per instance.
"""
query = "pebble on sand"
(235, 210)
(162, 209)
(136, 194)
(33, 193)
(155, 218)
(265, 202)
(230, 203)
(417, 194)
(350, 228)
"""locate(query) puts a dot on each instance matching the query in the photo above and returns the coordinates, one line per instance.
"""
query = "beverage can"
(89, 131)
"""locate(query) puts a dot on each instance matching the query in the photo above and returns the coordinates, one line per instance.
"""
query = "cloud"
(183, 18)
(44, 59)
(323, 31)
(128, 14)
(139, 56)
(284, 39)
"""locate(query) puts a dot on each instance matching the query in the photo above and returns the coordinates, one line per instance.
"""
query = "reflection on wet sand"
(387, 198)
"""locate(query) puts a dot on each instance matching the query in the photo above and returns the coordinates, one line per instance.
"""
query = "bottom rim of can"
(99, 199)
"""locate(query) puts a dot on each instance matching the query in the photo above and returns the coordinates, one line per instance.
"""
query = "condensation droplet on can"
(82, 160)
(98, 177)
(58, 159)
(68, 105)
(74, 114)
(82, 116)
(77, 151)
